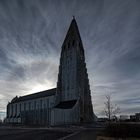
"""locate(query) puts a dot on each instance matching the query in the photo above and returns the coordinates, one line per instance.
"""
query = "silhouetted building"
(135, 118)
(124, 118)
(132, 118)
(70, 102)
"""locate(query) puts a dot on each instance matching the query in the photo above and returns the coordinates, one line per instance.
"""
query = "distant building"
(124, 118)
(135, 118)
(70, 102)
(132, 118)
(102, 119)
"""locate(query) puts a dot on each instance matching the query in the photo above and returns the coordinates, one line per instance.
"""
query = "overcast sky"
(31, 35)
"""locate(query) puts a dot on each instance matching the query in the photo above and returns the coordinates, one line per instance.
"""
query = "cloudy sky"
(31, 35)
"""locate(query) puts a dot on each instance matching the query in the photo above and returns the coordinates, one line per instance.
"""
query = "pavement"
(86, 132)
(31, 134)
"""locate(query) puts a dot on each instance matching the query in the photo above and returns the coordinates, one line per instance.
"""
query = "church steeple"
(73, 83)
(73, 28)
(72, 35)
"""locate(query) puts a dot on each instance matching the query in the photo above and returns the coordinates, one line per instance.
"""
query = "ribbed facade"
(70, 102)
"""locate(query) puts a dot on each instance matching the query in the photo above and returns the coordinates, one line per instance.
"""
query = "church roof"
(41, 94)
(66, 104)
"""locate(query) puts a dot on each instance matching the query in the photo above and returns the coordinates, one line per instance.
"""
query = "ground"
(57, 133)
(31, 134)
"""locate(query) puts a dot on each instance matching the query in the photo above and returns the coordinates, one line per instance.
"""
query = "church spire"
(73, 83)
(73, 29)
(72, 35)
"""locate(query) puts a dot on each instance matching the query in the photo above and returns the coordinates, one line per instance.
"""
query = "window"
(44, 105)
(34, 104)
(68, 45)
(29, 105)
(20, 107)
(64, 46)
(73, 42)
(79, 44)
(12, 109)
(15, 108)
(40, 103)
(48, 103)
(24, 106)
(67, 87)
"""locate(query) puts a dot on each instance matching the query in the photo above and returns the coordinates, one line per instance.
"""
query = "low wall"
(110, 138)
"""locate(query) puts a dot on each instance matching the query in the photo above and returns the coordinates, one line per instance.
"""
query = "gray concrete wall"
(65, 116)
(16, 109)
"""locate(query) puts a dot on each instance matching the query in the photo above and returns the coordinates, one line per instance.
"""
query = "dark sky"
(31, 35)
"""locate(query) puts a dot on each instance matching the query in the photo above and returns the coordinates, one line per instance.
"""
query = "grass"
(122, 130)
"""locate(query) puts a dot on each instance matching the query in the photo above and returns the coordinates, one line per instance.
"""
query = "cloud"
(33, 31)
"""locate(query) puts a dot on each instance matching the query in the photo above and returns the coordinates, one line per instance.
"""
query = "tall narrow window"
(68, 45)
(20, 107)
(8, 110)
(40, 104)
(24, 106)
(35, 105)
(12, 109)
(15, 108)
(29, 105)
(73, 42)
(64, 47)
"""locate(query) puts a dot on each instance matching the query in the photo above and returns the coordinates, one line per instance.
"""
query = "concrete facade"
(34, 110)
(70, 102)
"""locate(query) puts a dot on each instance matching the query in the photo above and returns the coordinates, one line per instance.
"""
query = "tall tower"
(73, 82)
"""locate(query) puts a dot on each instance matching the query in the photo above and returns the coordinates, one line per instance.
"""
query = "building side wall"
(65, 116)
(18, 110)
(68, 74)
(72, 85)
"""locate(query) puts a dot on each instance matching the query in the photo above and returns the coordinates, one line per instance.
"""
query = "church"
(68, 103)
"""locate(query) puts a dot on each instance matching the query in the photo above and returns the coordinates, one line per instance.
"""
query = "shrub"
(122, 130)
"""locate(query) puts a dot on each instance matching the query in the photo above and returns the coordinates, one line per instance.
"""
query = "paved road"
(87, 134)
(29, 134)
(70, 133)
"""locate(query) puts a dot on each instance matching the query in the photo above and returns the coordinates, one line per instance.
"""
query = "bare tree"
(110, 109)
